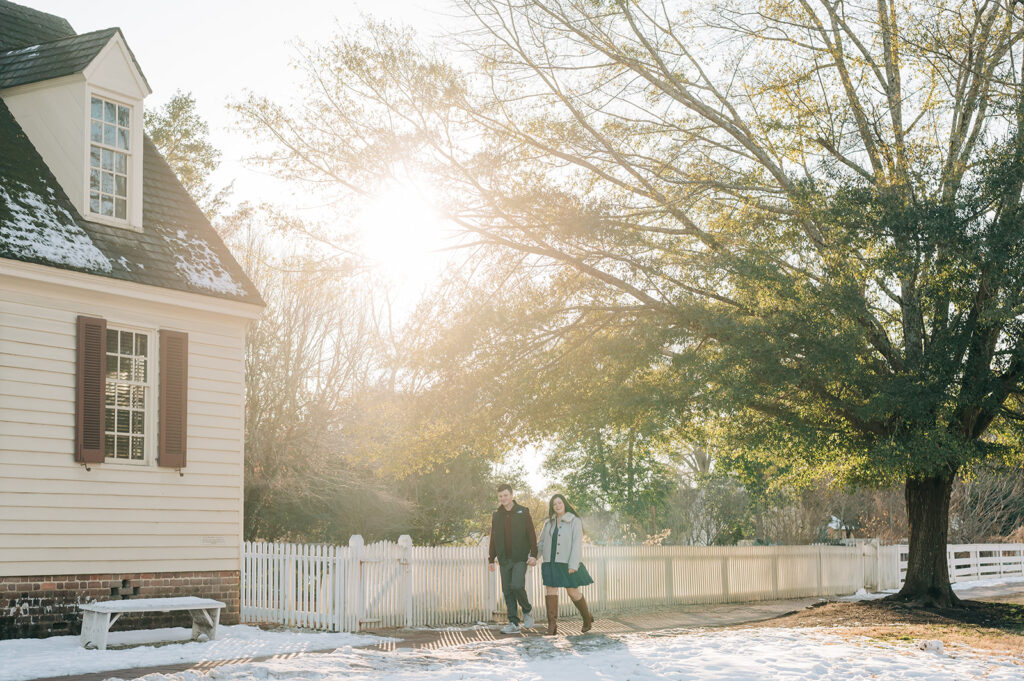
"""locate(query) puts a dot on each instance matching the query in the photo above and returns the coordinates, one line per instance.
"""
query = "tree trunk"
(927, 583)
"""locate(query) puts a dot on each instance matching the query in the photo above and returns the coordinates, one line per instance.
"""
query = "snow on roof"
(201, 266)
(43, 229)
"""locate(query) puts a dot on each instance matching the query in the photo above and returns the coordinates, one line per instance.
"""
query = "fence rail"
(387, 584)
(972, 562)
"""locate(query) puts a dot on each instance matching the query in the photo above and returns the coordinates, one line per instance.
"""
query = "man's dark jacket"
(513, 536)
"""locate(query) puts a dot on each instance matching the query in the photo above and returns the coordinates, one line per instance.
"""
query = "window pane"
(122, 138)
(123, 420)
(122, 395)
(120, 185)
(122, 446)
(108, 445)
(108, 159)
(109, 112)
(125, 371)
(137, 448)
(120, 209)
(140, 344)
(109, 135)
(138, 397)
(111, 392)
(122, 116)
(97, 108)
(111, 367)
(106, 205)
(94, 157)
(127, 342)
(94, 180)
(96, 132)
(138, 421)
(121, 163)
(110, 420)
(108, 183)
(111, 340)
(94, 202)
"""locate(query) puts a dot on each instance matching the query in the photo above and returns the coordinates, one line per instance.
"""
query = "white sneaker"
(510, 628)
(528, 620)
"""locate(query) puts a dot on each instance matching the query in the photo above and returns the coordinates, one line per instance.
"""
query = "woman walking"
(560, 548)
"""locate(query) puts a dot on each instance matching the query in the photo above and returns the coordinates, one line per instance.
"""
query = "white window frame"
(133, 210)
(151, 396)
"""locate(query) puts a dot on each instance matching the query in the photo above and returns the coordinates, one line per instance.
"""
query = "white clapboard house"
(122, 339)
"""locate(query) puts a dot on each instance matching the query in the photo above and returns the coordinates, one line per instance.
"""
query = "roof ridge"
(70, 38)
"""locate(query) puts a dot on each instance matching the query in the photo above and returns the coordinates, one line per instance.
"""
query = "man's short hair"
(504, 486)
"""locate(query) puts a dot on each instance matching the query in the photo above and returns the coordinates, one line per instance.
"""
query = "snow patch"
(198, 263)
(42, 230)
(33, 658)
(749, 655)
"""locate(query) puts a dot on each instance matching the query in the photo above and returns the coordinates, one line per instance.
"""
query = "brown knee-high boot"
(588, 619)
(551, 605)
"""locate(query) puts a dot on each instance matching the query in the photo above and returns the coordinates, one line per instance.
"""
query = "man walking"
(514, 544)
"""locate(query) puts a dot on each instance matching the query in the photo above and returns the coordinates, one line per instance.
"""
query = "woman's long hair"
(568, 506)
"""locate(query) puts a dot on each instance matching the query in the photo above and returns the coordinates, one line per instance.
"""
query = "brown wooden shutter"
(173, 398)
(91, 387)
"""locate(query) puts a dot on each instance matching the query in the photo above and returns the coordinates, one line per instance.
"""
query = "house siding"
(56, 517)
(53, 116)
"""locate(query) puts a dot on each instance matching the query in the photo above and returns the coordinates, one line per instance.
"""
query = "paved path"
(681, 617)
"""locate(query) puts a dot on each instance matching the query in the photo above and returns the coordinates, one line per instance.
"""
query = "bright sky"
(219, 49)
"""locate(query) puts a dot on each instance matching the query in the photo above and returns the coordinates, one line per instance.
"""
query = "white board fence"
(972, 562)
(387, 584)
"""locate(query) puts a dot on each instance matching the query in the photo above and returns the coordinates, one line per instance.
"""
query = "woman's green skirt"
(557, 574)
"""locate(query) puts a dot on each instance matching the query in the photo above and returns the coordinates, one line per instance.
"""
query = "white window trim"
(135, 153)
(150, 442)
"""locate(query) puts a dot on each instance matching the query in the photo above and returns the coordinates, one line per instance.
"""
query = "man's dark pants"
(513, 588)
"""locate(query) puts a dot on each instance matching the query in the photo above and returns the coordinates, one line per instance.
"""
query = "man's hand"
(531, 561)
(491, 566)
(571, 571)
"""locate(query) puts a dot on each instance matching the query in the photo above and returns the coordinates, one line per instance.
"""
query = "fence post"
(725, 578)
(405, 560)
(821, 575)
(355, 582)
(669, 585)
(775, 576)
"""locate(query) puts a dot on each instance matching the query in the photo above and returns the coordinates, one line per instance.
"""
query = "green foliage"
(782, 222)
(182, 136)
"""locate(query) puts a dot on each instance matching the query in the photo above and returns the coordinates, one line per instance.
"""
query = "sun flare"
(402, 234)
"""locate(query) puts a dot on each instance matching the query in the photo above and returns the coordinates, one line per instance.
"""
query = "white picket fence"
(972, 562)
(389, 584)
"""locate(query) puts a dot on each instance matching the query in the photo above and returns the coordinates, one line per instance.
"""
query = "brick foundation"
(41, 606)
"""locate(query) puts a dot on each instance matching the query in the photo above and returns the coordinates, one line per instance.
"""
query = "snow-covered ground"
(748, 655)
(734, 655)
(962, 588)
(33, 658)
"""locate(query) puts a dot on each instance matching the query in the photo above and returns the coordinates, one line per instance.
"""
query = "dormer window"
(109, 151)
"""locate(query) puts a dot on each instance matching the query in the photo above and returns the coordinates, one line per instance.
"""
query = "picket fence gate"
(388, 584)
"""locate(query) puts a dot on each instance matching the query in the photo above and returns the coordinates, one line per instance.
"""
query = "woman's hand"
(571, 571)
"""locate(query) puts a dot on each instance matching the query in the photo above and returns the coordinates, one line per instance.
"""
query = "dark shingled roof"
(176, 249)
(23, 26)
(52, 60)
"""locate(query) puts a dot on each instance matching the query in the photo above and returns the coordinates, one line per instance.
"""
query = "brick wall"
(41, 606)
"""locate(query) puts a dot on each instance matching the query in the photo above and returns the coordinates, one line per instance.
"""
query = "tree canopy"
(802, 217)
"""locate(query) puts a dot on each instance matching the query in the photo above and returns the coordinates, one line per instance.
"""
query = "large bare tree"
(806, 211)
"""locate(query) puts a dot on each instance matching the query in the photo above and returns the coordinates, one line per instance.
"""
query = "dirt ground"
(996, 625)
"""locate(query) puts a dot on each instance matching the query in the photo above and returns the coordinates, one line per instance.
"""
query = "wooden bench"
(97, 617)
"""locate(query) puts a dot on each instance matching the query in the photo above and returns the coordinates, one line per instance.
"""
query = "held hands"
(491, 566)
(571, 571)
(531, 561)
